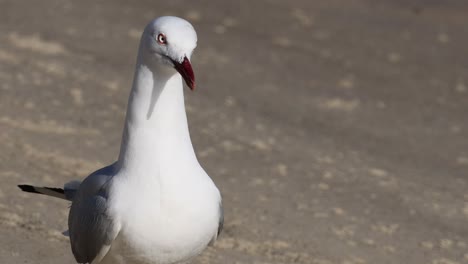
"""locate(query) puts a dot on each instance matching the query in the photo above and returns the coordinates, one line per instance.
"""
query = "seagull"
(155, 204)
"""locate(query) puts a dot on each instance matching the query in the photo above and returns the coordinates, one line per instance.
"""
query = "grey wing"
(91, 228)
(221, 219)
(220, 224)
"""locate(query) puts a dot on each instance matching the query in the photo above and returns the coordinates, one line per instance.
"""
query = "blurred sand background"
(337, 131)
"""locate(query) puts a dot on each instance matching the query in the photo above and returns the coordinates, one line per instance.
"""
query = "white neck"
(156, 132)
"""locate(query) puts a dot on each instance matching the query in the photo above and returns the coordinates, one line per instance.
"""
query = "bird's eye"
(162, 39)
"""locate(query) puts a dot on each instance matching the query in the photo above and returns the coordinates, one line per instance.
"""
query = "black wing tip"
(28, 188)
(32, 189)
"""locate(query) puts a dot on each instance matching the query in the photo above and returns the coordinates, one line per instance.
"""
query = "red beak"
(185, 69)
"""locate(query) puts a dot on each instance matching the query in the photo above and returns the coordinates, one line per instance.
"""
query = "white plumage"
(155, 204)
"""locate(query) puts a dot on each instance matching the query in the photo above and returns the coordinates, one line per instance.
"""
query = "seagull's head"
(170, 41)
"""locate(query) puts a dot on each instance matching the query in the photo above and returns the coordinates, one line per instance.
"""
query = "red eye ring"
(162, 39)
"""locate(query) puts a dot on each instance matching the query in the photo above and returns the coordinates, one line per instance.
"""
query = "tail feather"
(54, 192)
